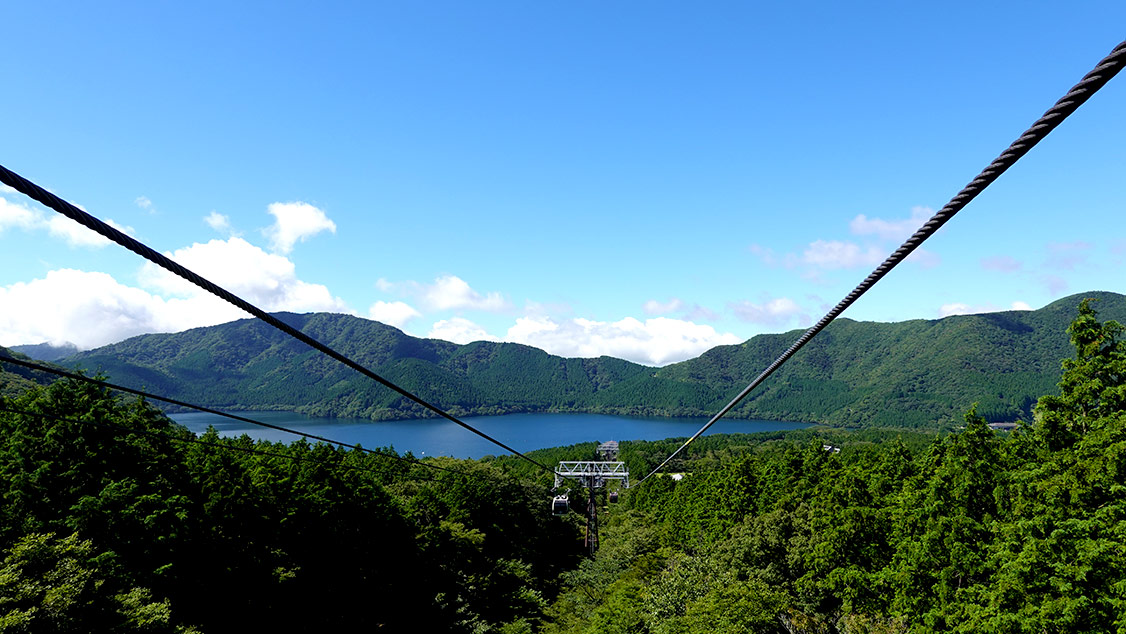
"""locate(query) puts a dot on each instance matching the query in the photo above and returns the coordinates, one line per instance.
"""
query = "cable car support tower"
(594, 474)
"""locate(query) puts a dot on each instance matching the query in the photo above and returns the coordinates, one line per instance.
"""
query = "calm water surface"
(523, 432)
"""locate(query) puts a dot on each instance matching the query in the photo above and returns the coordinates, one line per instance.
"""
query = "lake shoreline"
(438, 436)
(482, 412)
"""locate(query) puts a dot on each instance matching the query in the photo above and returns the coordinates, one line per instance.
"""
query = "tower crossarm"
(591, 473)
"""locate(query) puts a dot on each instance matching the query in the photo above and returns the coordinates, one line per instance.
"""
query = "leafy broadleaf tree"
(51, 584)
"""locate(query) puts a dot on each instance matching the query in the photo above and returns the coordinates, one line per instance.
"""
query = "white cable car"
(559, 505)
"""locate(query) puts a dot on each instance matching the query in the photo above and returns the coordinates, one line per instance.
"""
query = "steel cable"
(192, 440)
(67, 209)
(81, 377)
(1103, 72)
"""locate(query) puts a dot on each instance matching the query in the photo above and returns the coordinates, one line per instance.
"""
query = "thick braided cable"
(4, 358)
(1089, 85)
(65, 208)
(192, 439)
(121, 388)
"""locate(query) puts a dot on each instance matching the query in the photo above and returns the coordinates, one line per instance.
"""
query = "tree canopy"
(976, 531)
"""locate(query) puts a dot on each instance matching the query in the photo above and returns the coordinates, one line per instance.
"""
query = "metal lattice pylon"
(593, 475)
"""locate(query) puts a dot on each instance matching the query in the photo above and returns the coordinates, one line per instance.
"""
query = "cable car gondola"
(559, 505)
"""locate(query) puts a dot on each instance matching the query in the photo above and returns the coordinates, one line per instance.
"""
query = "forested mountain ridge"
(914, 373)
(977, 532)
(908, 373)
(47, 351)
(17, 380)
(247, 364)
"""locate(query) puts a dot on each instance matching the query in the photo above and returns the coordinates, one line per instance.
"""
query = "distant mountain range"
(15, 380)
(47, 351)
(919, 373)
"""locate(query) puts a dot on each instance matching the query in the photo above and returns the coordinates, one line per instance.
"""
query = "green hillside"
(249, 365)
(968, 532)
(917, 373)
(17, 380)
(46, 351)
(900, 374)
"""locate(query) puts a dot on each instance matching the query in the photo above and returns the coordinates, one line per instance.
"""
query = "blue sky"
(644, 180)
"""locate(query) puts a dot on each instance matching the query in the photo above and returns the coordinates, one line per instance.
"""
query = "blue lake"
(523, 432)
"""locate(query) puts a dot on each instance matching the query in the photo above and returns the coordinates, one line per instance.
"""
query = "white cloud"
(126, 229)
(958, 308)
(76, 235)
(827, 255)
(772, 312)
(93, 309)
(218, 222)
(653, 307)
(835, 254)
(657, 341)
(448, 292)
(19, 216)
(395, 314)
(16, 215)
(459, 330)
(295, 222)
(266, 280)
(144, 203)
(891, 230)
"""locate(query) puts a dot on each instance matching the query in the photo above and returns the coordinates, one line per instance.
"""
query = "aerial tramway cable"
(1103, 72)
(106, 384)
(194, 440)
(121, 388)
(67, 209)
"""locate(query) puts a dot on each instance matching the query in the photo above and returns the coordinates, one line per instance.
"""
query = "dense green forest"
(115, 519)
(15, 380)
(917, 373)
(971, 532)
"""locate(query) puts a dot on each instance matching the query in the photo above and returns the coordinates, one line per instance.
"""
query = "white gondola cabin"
(559, 505)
